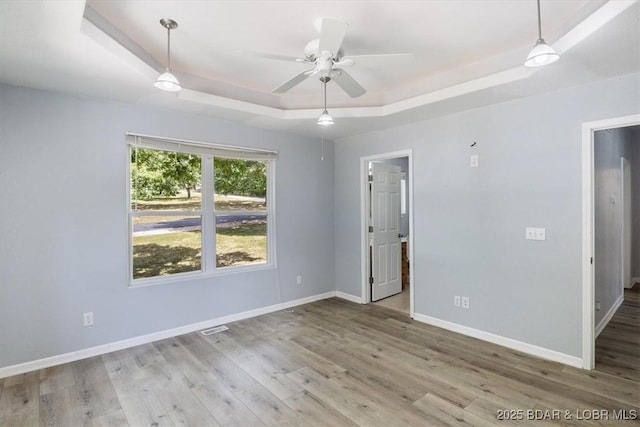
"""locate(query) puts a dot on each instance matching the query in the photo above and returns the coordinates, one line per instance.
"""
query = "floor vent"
(215, 330)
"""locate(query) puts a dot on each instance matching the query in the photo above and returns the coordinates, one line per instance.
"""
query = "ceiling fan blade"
(348, 83)
(298, 78)
(269, 56)
(331, 35)
(378, 61)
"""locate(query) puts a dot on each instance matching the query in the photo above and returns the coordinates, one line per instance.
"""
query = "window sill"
(197, 275)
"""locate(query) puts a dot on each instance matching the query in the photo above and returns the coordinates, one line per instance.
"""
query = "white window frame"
(207, 212)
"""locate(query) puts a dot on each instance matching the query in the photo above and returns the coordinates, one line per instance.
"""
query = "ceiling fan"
(329, 62)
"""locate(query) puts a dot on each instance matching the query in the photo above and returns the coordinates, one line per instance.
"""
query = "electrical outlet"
(532, 233)
(598, 306)
(465, 303)
(298, 280)
(87, 319)
(456, 300)
(474, 161)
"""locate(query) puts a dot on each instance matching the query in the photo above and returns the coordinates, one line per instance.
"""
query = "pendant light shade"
(325, 119)
(167, 81)
(541, 54)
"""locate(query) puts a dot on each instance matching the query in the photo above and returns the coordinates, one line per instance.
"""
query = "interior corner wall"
(469, 223)
(609, 146)
(64, 233)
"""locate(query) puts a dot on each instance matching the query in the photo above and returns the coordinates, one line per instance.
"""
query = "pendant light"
(541, 54)
(325, 119)
(167, 81)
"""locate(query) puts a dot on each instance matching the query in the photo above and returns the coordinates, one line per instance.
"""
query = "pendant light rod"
(539, 22)
(324, 81)
(169, 24)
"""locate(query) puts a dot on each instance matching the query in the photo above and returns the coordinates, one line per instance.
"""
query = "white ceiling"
(468, 53)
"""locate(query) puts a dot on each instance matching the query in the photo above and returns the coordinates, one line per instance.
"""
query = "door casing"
(364, 233)
(588, 285)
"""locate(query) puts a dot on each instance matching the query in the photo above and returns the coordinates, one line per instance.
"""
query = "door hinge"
(371, 280)
(370, 178)
(591, 260)
(371, 229)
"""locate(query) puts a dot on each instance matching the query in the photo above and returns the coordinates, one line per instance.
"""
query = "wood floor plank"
(144, 409)
(19, 402)
(184, 363)
(355, 407)
(316, 411)
(61, 408)
(56, 378)
(269, 408)
(270, 375)
(225, 370)
(97, 396)
(449, 413)
(112, 419)
(225, 406)
(133, 385)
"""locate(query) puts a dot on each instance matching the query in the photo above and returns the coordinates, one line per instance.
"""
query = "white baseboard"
(349, 297)
(145, 339)
(534, 350)
(607, 317)
(634, 280)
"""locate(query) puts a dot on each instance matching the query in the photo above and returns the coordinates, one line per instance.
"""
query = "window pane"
(240, 184)
(241, 240)
(168, 246)
(164, 180)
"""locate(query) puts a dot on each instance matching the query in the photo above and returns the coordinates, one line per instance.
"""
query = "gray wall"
(63, 225)
(469, 224)
(609, 146)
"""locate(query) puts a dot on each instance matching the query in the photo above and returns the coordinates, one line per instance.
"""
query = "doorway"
(387, 253)
(603, 229)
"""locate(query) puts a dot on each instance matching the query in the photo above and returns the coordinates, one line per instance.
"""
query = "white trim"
(626, 228)
(364, 235)
(635, 280)
(59, 359)
(588, 291)
(533, 350)
(607, 317)
(349, 297)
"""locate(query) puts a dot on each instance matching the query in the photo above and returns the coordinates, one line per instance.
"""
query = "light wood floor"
(329, 363)
(399, 302)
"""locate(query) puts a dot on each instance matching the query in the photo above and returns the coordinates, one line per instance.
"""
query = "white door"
(626, 223)
(385, 222)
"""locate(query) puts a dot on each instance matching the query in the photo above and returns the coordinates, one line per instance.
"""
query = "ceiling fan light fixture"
(167, 81)
(542, 54)
(325, 119)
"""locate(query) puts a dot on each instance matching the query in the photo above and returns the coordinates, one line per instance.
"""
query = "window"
(198, 208)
